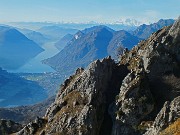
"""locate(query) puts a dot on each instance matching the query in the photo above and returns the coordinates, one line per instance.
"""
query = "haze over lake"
(35, 65)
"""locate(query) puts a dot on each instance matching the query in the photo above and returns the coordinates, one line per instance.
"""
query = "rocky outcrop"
(83, 101)
(168, 114)
(33, 127)
(8, 127)
(159, 56)
(133, 103)
(123, 98)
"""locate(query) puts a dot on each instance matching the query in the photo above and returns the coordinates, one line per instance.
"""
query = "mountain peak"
(78, 35)
(128, 22)
(144, 31)
(175, 29)
(13, 43)
(97, 28)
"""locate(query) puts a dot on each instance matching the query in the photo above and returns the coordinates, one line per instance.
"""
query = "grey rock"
(134, 102)
(8, 127)
(32, 127)
(81, 106)
(168, 114)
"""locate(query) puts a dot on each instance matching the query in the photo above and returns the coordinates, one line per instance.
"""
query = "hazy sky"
(87, 10)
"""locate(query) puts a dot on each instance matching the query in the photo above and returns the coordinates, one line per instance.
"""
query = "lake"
(35, 65)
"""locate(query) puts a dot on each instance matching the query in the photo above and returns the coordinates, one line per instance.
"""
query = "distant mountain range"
(15, 48)
(16, 91)
(128, 24)
(144, 31)
(98, 42)
(89, 45)
(56, 32)
(37, 37)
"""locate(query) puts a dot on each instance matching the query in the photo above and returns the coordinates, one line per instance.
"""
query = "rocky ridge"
(7, 127)
(139, 95)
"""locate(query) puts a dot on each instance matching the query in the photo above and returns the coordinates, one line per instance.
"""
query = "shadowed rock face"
(128, 98)
(168, 114)
(8, 127)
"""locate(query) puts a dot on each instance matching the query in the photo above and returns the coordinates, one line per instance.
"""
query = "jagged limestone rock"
(87, 89)
(81, 106)
(133, 104)
(33, 127)
(168, 114)
(159, 55)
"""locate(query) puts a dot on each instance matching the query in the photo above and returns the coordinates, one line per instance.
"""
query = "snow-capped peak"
(129, 22)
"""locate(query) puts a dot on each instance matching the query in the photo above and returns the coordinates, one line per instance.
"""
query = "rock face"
(159, 56)
(8, 127)
(168, 114)
(82, 103)
(139, 95)
(133, 103)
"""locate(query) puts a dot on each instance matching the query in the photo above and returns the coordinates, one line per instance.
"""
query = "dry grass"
(173, 129)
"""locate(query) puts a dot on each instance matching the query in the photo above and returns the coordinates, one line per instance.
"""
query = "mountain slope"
(25, 114)
(88, 45)
(121, 38)
(15, 48)
(140, 95)
(55, 32)
(16, 91)
(37, 37)
(144, 31)
(63, 41)
(81, 50)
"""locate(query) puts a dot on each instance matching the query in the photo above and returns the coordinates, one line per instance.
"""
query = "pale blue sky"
(87, 10)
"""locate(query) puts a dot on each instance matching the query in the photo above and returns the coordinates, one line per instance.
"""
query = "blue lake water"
(35, 65)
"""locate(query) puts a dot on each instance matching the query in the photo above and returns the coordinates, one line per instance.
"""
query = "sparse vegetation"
(173, 129)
